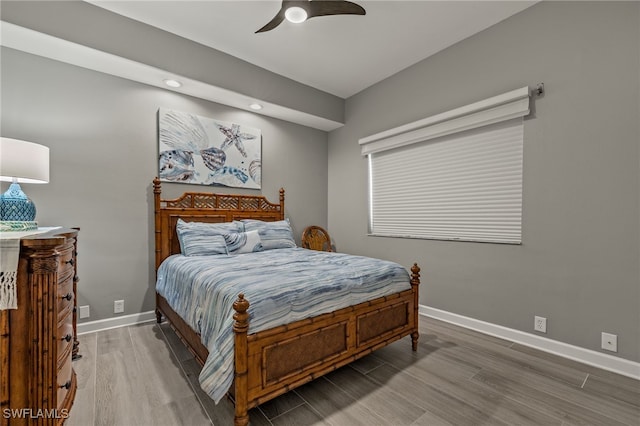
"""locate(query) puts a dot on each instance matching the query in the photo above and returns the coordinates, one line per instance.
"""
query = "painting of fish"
(204, 151)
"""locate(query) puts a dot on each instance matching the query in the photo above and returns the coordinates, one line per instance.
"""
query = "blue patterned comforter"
(283, 286)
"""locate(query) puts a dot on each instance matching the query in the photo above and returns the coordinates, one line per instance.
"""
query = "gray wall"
(578, 264)
(102, 133)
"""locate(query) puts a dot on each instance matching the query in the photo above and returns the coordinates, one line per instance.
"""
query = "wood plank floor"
(143, 375)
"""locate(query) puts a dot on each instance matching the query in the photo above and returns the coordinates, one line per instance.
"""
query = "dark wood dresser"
(37, 340)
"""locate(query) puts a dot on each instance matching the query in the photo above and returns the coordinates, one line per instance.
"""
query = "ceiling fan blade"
(277, 20)
(333, 7)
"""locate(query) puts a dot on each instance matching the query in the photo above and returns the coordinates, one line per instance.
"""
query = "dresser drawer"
(64, 337)
(66, 261)
(65, 297)
(64, 381)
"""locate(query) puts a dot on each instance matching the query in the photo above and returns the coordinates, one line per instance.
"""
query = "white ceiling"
(341, 55)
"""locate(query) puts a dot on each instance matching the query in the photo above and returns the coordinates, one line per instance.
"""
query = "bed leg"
(158, 316)
(241, 421)
(415, 284)
(240, 327)
(414, 340)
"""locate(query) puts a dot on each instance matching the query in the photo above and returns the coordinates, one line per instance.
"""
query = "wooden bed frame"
(272, 362)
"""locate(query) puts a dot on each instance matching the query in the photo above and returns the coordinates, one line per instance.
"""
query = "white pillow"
(243, 242)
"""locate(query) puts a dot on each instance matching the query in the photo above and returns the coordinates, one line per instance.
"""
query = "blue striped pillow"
(203, 239)
(243, 242)
(274, 235)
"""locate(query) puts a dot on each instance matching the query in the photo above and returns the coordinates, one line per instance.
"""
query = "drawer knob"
(67, 296)
(68, 337)
(66, 385)
(69, 262)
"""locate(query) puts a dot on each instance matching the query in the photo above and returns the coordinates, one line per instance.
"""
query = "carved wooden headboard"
(205, 207)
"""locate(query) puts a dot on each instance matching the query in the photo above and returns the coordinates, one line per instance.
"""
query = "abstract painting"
(204, 151)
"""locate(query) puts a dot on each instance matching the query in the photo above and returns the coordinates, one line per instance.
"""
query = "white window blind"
(466, 185)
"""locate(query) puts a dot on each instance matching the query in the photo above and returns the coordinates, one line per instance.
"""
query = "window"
(454, 176)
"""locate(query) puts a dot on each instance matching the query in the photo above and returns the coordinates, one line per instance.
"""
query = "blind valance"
(499, 108)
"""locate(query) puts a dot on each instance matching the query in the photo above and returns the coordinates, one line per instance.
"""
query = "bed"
(269, 362)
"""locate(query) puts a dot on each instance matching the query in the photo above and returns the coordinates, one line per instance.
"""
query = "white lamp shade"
(26, 162)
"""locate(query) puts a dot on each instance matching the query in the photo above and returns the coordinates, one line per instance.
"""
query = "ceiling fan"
(297, 11)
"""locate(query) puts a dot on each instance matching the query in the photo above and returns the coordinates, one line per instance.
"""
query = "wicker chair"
(316, 238)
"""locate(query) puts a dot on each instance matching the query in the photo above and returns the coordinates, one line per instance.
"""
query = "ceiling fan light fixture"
(295, 14)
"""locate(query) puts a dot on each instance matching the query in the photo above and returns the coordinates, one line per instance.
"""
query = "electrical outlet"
(540, 324)
(118, 306)
(84, 311)
(610, 342)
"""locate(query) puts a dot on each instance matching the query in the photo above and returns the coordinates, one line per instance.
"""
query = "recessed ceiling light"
(295, 14)
(172, 83)
(255, 106)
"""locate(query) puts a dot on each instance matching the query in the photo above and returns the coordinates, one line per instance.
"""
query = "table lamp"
(20, 162)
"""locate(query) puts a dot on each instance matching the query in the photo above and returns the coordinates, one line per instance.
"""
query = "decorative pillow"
(219, 228)
(274, 235)
(203, 239)
(243, 242)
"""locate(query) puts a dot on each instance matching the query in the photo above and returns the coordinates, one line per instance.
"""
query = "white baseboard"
(121, 321)
(576, 353)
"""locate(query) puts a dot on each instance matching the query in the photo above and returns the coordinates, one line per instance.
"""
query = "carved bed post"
(240, 327)
(415, 282)
(281, 203)
(157, 190)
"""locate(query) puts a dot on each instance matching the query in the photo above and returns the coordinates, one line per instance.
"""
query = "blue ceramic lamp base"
(17, 211)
